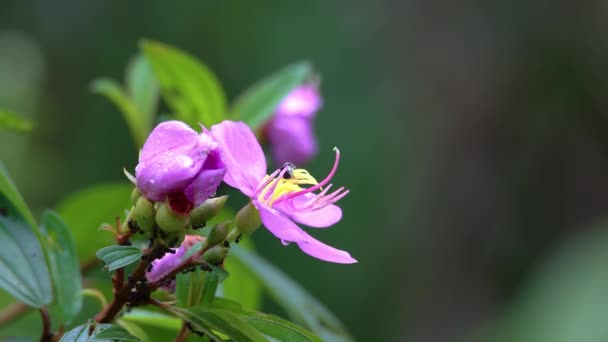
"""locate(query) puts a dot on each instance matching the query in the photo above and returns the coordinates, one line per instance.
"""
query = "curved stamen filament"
(318, 185)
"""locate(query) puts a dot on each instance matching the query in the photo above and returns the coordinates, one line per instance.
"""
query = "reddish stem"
(47, 334)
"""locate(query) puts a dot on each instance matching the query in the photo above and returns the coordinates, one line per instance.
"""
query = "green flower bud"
(248, 219)
(206, 211)
(174, 239)
(169, 221)
(143, 213)
(135, 194)
(218, 233)
(215, 255)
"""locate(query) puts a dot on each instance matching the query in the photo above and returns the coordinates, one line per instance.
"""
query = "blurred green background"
(473, 134)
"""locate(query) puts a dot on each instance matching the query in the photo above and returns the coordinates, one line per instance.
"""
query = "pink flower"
(170, 261)
(181, 164)
(290, 131)
(278, 197)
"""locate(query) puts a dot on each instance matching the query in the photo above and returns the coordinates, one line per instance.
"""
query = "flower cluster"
(180, 170)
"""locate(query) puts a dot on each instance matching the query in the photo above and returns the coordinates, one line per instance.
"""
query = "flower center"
(284, 181)
(285, 184)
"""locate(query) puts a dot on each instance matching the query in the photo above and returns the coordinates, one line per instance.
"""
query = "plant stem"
(183, 334)
(47, 335)
(122, 293)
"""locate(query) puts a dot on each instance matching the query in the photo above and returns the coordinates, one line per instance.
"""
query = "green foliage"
(189, 288)
(279, 329)
(138, 102)
(14, 122)
(143, 89)
(64, 266)
(84, 333)
(565, 300)
(299, 304)
(11, 201)
(150, 326)
(116, 256)
(215, 277)
(242, 286)
(190, 89)
(23, 268)
(210, 321)
(257, 104)
(85, 210)
(115, 333)
(271, 326)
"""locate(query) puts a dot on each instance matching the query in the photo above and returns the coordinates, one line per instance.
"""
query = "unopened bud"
(135, 194)
(174, 239)
(215, 255)
(248, 219)
(143, 213)
(207, 210)
(218, 233)
(169, 221)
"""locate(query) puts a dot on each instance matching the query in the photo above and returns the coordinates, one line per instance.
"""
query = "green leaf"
(85, 210)
(190, 89)
(256, 104)
(189, 288)
(299, 304)
(119, 256)
(148, 319)
(23, 265)
(84, 333)
(214, 277)
(242, 286)
(271, 326)
(223, 322)
(14, 122)
(115, 93)
(115, 333)
(64, 266)
(143, 90)
(279, 328)
(11, 202)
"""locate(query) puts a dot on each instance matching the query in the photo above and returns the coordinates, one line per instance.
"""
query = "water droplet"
(285, 242)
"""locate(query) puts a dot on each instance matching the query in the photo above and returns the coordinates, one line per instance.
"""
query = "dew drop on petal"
(285, 242)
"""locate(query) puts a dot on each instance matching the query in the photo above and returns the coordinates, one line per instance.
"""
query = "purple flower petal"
(283, 228)
(166, 137)
(303, 101)
(242, 154)
(319, 250)
(168, 171)
(169, 262)
(320, 218)
(279, 225)
(174, 159)
(207, 181)
(292, 140)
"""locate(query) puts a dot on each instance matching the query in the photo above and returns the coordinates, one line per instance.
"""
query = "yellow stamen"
(287, 185)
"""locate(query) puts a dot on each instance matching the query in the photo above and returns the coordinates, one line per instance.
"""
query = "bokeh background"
(474, 137)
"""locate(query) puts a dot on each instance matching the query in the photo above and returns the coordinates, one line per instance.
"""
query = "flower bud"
(218, 233)
(206, 211)
(143, 213)
(168, 221)
(215, 255)
(174, 239)
(248, 219)
(135, 194)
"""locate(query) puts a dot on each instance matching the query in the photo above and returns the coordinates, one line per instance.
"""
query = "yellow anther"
(285, 186)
